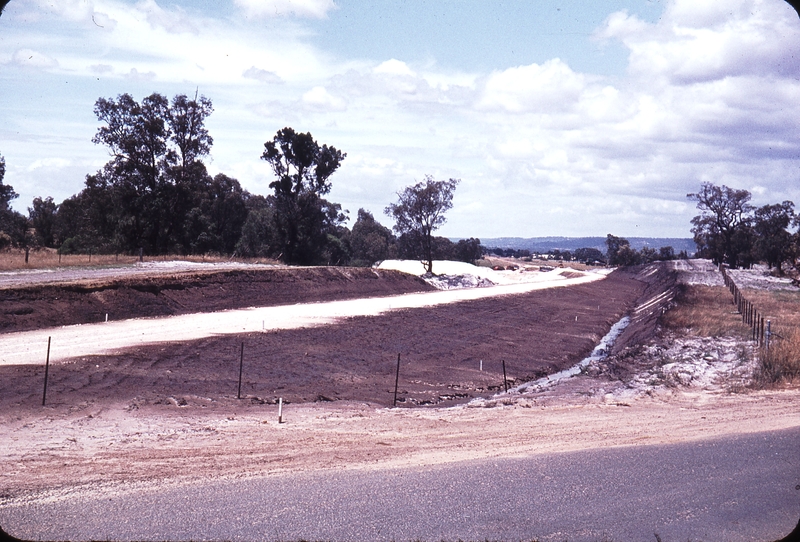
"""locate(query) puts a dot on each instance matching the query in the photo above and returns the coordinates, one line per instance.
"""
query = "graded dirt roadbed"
(442, 348)
(39, 300)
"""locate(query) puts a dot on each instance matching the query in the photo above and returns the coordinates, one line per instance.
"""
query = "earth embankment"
(37, 306)
(449, 354)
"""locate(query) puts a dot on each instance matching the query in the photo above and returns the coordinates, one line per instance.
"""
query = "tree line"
(156, 195)
(732, 231)
(728, 230)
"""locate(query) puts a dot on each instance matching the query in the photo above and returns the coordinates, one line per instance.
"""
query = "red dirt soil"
(440, 348)
(41, 306)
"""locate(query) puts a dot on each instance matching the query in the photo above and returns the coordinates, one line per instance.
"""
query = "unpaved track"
(30, 347)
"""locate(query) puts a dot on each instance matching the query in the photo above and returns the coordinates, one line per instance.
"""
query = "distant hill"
(545, 244)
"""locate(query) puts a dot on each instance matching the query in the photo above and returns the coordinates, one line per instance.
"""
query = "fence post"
(769, 334)
(396, 381)
(46, 371)
(241, 362)
(505, 380)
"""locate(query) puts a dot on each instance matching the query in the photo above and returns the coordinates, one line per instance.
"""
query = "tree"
(13, 226)
(469, 250)
(721, 229)
(773, 241)
(370, 241)
(156, 175)
(666, 253)
(420, 211)
(619, 252)
(258, 238)
(304, 220)
(588, 255)
(42, 216)
(215, 221)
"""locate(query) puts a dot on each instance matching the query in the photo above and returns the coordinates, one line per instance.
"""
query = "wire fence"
(760, 327)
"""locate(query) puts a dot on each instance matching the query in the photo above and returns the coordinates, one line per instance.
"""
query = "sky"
(560, 117)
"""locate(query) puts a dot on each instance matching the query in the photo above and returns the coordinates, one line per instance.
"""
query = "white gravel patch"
(759, 277)
(703, 363)
(448, 275)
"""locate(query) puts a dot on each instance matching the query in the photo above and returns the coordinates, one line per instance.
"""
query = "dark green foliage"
(620, 253)
(721, 230)
(42, 215)
(469, 250)
(258, 239)
(155, 192)
(306, 225)
(666, 253)
(773, 241)
(443, 248)
(370, 241)
(588, 255)
(13, 226)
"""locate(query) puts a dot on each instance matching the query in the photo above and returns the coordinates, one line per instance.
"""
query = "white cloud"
(79, 11)
(697, 41)
(136, 75)
(33, 59)
(72, 10)
(316, 9)
(320, 99)
(394, 67)
(547, 87)
(49, 163)
(262, 75)
(101, 68)
(176, 21)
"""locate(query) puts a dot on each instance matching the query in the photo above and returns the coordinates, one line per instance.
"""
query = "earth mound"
(38, 306)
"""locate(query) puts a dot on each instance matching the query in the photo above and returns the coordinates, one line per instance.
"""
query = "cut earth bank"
(169, 413)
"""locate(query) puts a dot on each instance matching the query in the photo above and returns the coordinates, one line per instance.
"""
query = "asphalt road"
(732, 489)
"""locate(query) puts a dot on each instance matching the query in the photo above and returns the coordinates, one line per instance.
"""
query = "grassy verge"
(781, 363)
(706, 311)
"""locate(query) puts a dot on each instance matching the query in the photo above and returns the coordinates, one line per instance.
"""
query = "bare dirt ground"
(169, 414)
(46, 298)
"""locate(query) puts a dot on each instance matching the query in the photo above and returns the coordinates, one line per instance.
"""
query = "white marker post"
(280, 410)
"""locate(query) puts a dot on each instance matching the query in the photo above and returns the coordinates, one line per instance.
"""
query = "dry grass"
(14, 259)
(782, 362)
(705, 311)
